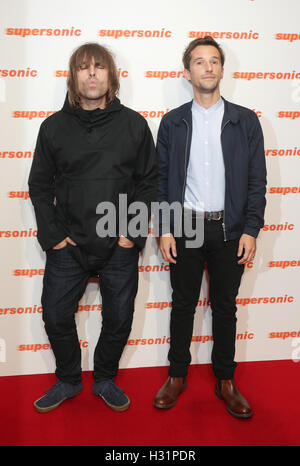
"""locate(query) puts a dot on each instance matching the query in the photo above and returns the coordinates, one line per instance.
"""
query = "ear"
(186, 74)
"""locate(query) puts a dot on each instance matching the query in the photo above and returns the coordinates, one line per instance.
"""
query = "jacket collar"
(231, 112)
(92, 116)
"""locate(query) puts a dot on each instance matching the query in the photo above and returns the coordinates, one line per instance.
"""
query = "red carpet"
(199, 418)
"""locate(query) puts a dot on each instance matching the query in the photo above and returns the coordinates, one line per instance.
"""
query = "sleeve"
(145, 179)
(42, 193)
(257, 180)
(162, 224)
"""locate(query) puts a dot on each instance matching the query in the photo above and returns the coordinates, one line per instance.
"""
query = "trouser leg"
(118, 287)
(186, 276)
(63, 286)
(224, 280)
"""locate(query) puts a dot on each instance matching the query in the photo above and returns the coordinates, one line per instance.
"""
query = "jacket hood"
(92, 117)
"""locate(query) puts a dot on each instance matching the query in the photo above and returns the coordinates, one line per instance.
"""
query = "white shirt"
(205, 183)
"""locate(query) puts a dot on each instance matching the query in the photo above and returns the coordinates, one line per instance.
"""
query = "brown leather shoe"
(236, 404)
(167, 396)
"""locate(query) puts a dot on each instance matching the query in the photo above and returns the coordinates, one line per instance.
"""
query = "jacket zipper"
(223, 224)
(185, 157)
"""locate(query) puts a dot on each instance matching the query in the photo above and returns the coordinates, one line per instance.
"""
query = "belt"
(214, 215)
(218, 215)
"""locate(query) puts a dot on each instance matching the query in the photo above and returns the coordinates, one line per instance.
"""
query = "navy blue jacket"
(244, 159)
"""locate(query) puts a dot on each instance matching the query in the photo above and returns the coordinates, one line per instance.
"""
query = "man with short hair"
(211, 160)
(90, 152)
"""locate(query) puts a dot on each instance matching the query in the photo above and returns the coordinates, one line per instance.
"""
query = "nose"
(92, 70)
(208, 66)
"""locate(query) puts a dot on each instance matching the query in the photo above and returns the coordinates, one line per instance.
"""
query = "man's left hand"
(247, 245)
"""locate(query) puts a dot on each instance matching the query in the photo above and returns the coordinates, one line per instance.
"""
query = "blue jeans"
(64, 284)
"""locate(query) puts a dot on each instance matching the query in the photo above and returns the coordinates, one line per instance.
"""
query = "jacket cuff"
(251, 231)
(139, 241)
(51, 242)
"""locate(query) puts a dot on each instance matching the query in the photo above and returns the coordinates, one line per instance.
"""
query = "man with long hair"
(90, 152)
(214, 150)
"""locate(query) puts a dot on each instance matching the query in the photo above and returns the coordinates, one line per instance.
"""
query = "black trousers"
(64, 284)
(224, 280)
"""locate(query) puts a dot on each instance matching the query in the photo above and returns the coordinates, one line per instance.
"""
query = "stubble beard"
(93, 94)
(208, 90)
(205, 90)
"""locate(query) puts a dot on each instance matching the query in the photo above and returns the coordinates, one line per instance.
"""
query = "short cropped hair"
(207, 40)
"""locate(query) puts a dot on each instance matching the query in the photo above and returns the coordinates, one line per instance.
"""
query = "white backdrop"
(262, 71)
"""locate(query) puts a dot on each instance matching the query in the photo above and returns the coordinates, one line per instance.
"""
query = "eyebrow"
(88, 62)
(202, 58)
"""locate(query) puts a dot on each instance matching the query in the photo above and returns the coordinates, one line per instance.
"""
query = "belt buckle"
(211, 217)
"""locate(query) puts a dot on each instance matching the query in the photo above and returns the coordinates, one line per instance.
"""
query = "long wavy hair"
(85, 53)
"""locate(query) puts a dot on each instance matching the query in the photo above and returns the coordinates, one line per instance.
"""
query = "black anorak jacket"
(83, 158)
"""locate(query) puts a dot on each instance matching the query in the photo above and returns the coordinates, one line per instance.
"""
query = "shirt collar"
(207, 111)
